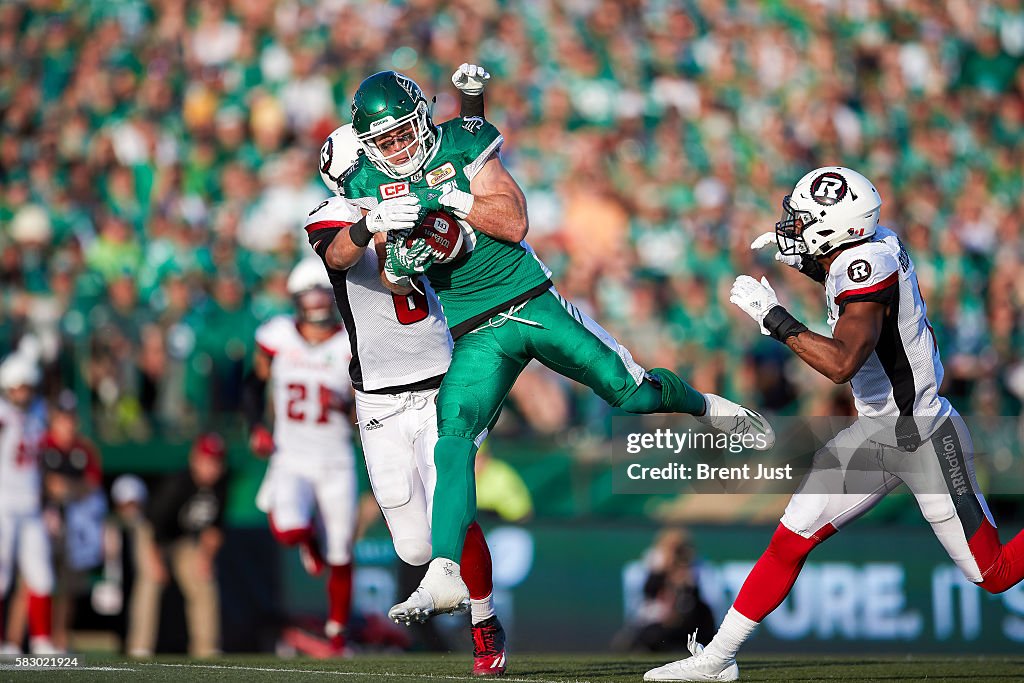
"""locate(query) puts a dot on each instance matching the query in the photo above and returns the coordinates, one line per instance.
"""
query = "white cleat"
(699, 667)
(41, 645)
(9, 649)
(442, 591)
(732, 418)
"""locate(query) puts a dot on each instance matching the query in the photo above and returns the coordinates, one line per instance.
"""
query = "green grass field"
(526, 669)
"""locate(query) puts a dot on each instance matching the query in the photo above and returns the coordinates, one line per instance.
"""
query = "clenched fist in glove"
(754, 298)
(470, 79)
(399, 213)
(403, 263)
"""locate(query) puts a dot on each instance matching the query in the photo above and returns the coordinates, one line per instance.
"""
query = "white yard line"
(12, 667)
(379, 674)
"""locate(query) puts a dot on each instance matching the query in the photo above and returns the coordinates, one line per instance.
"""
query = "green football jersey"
(494, 274)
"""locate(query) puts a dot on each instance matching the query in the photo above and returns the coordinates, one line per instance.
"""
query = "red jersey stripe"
(877, 287)
(322, 225)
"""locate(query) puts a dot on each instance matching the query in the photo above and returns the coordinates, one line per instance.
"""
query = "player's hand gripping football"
(470, 79)
(403, 263)
(398, 213)
(754, 298)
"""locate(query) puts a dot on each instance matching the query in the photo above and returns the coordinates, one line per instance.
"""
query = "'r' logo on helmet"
(326, 154)
(828, 188)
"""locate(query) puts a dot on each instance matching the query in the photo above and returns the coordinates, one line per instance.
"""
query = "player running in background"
(401, 350)
(498, 300)
(312, 463)
(23, 541)
(883, 345)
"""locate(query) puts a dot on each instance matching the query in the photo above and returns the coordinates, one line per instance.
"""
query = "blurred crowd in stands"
(157, 159)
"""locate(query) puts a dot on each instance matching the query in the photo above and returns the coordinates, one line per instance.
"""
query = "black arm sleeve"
(321, 239)
(472, 105)
(882, 296)
(254, 399)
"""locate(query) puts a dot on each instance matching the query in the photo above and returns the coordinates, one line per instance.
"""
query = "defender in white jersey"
(401, 349)
(906, 432)
(24, 544)
(312, 464)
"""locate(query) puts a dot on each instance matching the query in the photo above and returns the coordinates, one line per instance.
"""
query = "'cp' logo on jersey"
(828, 188)
(394, 190)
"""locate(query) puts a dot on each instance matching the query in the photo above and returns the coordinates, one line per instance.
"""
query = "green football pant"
(485, 365)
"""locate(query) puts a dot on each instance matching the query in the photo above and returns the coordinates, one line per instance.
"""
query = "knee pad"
(459, 417)
(806, 512)
(414, 551)
(644, 400)
(936, 507)
(40, 582)
(391, 482)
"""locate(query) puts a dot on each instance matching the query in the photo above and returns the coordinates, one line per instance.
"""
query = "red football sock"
(290, 537)
(774, 574)
(40, 615)
(476, 563)
(339, 593)
(1002, 566)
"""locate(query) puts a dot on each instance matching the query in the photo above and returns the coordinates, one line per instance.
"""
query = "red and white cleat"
(488, 648)
(335, 633)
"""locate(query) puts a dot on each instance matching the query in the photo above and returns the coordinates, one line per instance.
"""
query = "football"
(443, 233)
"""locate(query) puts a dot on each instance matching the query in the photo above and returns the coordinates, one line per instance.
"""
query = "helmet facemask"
(389, 141)
(316, 307)
(790, 229)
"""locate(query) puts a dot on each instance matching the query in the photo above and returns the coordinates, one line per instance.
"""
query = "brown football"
(443, 233)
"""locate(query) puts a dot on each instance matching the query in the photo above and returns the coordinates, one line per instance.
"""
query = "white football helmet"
(312, 292)
(339, 152)
(309, 273)
(829, 207)
(18, 371)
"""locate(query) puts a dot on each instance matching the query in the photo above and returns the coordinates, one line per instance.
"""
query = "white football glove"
(792, 260)
(470, 79)
(754, 298)
(399, 213)
(461, 203)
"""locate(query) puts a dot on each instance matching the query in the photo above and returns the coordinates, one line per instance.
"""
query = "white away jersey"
(311, 392)
(902, 376)
(20, 477)
(397, 341)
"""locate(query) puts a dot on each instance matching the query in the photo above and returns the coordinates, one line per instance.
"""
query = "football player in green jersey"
(498, 300)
